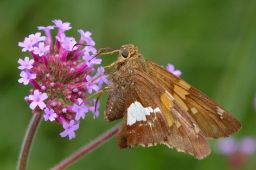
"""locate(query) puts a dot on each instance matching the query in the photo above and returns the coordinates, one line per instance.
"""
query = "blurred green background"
(213, 42)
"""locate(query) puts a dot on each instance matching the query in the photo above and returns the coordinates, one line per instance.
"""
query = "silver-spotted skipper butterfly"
(160, 108)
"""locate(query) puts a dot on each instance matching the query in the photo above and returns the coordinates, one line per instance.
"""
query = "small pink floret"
(37, 99)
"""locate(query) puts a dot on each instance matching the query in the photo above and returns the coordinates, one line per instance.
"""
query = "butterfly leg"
(110, 65)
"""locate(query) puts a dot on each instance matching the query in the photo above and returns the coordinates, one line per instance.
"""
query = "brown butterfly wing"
(210, 117)
(120, 99)
(186, 115)
(152, 131)
(171, 126)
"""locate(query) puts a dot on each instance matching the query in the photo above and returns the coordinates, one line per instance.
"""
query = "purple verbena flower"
(89, 56)
(49, 114)
(63, 26)
(90, 60)
(26, 77)
(60, 75)
(86, 38)
(30, 41)
(41, 49)
(80, 109)
(227, 146)
(237, 151)
(47, 31)
(171, 69)
(69, 129)
(37, 99)
(25, 64)
(102, 78)
(248, 146)
(69, 43)
(91, 84)
(45, 28)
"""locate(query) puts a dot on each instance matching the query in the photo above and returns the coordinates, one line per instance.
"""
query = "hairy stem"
(86, 149)
(28, 140)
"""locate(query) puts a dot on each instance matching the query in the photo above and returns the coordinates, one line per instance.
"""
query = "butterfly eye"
(125, 53)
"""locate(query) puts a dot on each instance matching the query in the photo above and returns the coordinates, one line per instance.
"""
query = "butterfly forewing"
(211, 118)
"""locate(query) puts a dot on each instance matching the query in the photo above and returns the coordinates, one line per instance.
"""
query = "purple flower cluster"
(171, 69)
(63, 73)
(231, 146)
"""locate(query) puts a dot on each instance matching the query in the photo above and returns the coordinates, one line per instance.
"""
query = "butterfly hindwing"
(186, 136)
(143, 123)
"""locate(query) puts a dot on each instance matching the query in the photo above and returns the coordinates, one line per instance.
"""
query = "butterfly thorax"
(124, 69)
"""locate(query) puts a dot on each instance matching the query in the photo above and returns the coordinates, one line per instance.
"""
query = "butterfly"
(159, 108)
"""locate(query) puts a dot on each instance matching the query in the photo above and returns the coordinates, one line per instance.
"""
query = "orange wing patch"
(180, 91)
(184, 84)
(167, 102)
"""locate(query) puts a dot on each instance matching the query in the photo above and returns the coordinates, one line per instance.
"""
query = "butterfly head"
(125, 53)
(128, 51)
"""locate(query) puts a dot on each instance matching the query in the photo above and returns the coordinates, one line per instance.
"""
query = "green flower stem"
(28, 140)
(86, 149)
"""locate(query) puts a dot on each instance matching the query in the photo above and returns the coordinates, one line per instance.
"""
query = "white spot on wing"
(220, 112)
(136, 112)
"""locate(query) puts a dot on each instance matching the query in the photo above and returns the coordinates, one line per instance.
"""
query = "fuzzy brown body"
(184, 117)
(121, 85)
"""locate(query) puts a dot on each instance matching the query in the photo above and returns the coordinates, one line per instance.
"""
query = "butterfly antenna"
(78, 44)
(104, 52)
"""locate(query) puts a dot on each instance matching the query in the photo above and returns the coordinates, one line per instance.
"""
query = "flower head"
(171, 69)
(63, 74)
(237, 151)
(248, 146)
(229, 146)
